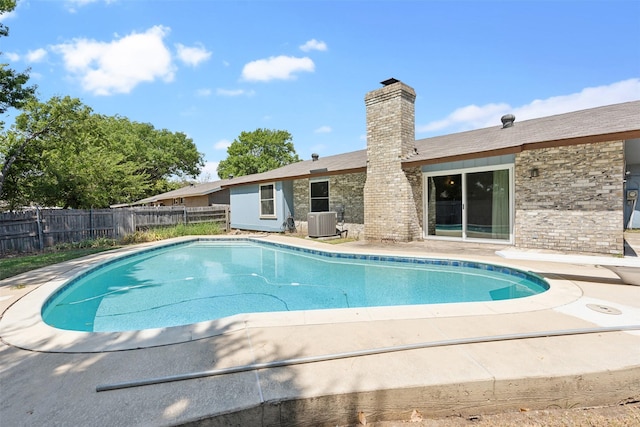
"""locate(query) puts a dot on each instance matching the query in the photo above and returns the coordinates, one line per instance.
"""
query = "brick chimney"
(390, 211)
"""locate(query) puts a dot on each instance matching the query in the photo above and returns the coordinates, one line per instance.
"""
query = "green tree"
(13, 92)
(22, 148)
(160, 155)
(258, 151)
(70, 157)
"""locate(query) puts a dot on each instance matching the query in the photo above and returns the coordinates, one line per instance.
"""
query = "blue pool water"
(209, 279)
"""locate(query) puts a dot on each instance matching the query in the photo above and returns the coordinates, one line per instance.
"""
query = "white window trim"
(463, 172)
(274, 214)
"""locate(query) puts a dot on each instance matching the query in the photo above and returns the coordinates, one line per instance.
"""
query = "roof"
(617, 121)
(353, 161)
(592, 125)
(187, 191)
(597, 124)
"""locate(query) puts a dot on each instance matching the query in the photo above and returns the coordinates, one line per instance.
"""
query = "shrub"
(161, 233)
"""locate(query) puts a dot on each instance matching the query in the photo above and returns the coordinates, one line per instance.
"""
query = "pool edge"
(22, 326)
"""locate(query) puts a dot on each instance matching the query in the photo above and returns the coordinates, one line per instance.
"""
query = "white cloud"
(276, 67)
(5, 16)
(223, 144)
(313, 44)
(192, 55)
(469, 117)
(12, 56)
(119, 66)
(323, 129)
(476, 117)
(209, 172)
(36, 55)
(73, 4)
(234, 92)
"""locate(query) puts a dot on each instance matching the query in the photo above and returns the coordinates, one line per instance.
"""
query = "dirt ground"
(609, 416)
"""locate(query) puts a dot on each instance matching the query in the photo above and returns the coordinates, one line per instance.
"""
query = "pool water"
(205, 280)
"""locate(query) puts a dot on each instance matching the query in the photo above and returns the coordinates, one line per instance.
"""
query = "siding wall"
(245, 208)
(576, 201)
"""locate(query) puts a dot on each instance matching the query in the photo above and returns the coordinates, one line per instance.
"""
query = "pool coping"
(22, 326)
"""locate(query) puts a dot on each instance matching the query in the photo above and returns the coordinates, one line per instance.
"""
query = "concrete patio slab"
(41, 386)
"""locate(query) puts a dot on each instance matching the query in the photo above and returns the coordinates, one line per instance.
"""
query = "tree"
(13, 92)
(258, 151)
(158, 154)
(22, 148)
(61, 154)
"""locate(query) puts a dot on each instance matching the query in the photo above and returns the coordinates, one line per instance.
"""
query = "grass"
(339, 240)
(17, 264)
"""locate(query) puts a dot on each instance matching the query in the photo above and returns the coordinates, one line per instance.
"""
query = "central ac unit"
(321, 224)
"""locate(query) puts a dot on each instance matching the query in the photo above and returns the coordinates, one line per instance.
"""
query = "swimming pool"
(203, 280)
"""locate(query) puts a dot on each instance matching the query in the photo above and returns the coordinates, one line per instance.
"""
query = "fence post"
(114, 223)
(40, 236)
(184, 220)
(227, 219)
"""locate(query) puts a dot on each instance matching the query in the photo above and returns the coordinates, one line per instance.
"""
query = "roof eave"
(300, 176)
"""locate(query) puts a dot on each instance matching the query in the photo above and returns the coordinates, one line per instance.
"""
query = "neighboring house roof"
(193, 190)
(611, 122)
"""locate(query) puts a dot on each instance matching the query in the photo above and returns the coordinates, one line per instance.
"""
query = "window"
(470, 204)
(267, 200)
(319, 196)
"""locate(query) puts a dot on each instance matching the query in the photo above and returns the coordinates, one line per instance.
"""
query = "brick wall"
(576, 201)
(390, 211)
(414, 176)
(346, 190)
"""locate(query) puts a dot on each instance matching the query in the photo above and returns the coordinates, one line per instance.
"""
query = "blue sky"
(213, 69)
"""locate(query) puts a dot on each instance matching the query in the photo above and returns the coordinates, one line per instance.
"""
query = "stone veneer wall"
(576, 202)
(390, 211)
(346, 190)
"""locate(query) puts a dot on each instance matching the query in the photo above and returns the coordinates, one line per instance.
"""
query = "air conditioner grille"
(321, 224)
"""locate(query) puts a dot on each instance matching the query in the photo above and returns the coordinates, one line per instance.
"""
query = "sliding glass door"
(445, 205)
(472, 204)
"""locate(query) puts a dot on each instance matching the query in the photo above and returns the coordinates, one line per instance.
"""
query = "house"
(565, 182)
(205, 194)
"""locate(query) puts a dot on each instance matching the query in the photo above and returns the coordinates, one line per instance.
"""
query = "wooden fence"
(35, 230)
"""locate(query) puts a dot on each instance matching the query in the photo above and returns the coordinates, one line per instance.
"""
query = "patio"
(491, 375)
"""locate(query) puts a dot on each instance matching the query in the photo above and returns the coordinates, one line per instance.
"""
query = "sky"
(213, 69)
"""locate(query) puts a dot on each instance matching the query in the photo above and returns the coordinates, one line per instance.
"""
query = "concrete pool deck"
(450, 375)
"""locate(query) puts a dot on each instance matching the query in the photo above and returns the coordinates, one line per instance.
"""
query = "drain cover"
(603, 309)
